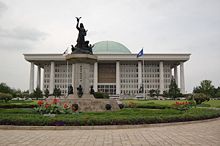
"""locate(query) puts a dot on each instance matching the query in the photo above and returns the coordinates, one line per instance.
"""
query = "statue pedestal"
(82, 68)
(83, 65)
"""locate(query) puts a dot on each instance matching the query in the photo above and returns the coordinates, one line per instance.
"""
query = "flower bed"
(54, 106)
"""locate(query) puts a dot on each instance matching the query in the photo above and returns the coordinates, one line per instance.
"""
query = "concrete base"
(88, 103)
(92, 104)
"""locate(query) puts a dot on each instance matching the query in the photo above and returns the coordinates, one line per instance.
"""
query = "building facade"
(117, 71)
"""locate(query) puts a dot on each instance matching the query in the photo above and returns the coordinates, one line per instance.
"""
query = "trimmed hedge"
(149, 105)
(5, 97)
(101, 95)
(6, 105)
(125, 116)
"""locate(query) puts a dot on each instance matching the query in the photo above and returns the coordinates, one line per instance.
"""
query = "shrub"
(183, 106)
(75, 107)
(121, 106)
(200, 97)
(101, 95)
(5, 97)
(108, 107)
(132, 104)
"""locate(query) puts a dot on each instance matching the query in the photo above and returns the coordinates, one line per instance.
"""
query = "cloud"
(21, 33)
(3, 8)
(20, 37)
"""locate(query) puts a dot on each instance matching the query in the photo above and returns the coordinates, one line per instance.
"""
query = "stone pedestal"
(82, 63)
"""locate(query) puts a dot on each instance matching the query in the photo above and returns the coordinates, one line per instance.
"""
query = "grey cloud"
(21, 33)
(3, 7)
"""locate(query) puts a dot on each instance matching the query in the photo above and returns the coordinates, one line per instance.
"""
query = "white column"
(95, 78)
(118, 88)
(52, 73)
(176, 75)
(38, 77)
(31, 85)
(43, 74)
(139, 75)
(182, 80)
(73, 78)
(161, 78)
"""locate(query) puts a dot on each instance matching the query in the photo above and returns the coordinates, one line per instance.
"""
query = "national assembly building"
(113, 70)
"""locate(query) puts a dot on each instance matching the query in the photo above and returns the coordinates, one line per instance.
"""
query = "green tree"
(46, 93)
(152, 92)
(200, 97)
(56, 92)
(37, 93)
(5, 88)
(5, 97)
(205, 87)
(173, 91)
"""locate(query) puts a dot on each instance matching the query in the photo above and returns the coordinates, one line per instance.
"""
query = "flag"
(65, 52)
(141, 53)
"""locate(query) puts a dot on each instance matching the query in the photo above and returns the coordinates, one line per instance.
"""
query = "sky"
(160, 26)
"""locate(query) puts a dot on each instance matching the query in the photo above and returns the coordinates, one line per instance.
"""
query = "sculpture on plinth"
(91, 90)
(80, 91)
(70, 89)
(82, 46)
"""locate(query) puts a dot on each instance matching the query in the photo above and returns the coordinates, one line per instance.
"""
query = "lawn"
(125, 116)
(168, 103)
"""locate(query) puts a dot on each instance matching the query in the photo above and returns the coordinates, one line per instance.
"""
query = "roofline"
(178, 57)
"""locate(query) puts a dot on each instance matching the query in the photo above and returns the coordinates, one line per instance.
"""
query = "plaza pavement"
(203, 133)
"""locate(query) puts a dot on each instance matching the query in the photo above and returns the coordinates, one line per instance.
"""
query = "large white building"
(117, 71)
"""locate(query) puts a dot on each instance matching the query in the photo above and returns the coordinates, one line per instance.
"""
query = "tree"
(205, 87)
(200, 97)
(173, 91)
(37, 93)
(56, 92)
(152, 92)
(46, 93)
(5, 97)
(5, 88)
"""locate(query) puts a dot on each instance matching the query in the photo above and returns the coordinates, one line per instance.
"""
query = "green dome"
(110, 47)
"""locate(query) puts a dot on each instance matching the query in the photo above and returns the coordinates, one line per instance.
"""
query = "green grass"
(213, 103)
(168, 103)
(18, 104)
(125, 116)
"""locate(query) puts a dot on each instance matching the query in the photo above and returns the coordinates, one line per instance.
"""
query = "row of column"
(95, 79)
(161, 69)
(31, 84)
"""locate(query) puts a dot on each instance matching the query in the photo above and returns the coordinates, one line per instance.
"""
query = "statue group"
(82, 46)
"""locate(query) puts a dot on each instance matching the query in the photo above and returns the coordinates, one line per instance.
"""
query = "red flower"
(55, 101)
(40, 102)
(47, 105)
(65, 105)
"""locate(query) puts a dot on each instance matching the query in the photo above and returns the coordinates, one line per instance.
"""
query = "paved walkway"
(205, 133)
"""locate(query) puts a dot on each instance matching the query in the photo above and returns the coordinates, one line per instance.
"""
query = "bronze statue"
(80, 91)
(82, 46)
(81, 35)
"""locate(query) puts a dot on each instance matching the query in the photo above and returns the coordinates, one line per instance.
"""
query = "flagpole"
(67, 73)
(143, 78)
